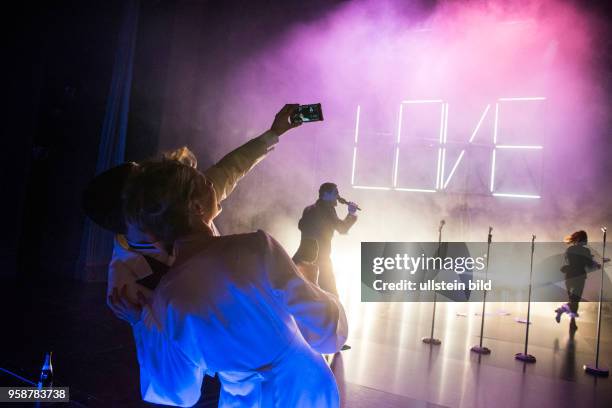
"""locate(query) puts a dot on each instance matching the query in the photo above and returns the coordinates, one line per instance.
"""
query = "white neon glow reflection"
(438, 172)
(525, 98)
(399, 122)
(419, 190)
(357, 123)
(399, 134)
(515, 195)
(494, 143)
(484, 114)
(454, 168)
(444, 137)
(493, 171)
(355, 147)
(439, 167)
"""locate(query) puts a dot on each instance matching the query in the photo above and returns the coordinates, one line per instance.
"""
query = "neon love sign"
(445, 170)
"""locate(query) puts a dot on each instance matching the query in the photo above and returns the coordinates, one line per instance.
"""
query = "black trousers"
(574, 287)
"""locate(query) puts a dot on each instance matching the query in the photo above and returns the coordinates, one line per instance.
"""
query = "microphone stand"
(479, 348)
(431, 339)
(590, 368)
(526, 357)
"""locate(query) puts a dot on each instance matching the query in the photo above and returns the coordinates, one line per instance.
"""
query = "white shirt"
(237, 306)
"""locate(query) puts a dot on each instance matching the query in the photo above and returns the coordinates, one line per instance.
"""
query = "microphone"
(442, 223)
(343, 201)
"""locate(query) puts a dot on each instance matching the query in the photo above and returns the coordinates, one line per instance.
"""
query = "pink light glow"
(371, 188)
(518, 147)
(491, 62)
(424, 101)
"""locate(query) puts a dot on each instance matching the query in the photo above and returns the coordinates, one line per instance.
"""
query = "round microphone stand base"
(526, 358)
(481, 350)
(429, 340)
(597, 371)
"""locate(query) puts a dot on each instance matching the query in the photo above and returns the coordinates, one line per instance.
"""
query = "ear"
(203, 211)
(198, 208)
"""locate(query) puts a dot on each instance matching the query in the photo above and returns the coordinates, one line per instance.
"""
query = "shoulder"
(578, 249)
(255, 244)
(246, 240)
(311, 209)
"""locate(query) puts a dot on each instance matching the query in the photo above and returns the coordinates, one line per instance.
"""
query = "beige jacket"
(128, 264)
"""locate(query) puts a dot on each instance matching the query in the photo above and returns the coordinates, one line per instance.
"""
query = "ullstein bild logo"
(463, 271)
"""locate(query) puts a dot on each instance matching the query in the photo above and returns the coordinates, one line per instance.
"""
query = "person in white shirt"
(231, 305)
(138, 261)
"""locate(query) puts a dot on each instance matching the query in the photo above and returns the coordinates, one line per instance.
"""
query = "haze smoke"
(376, 54)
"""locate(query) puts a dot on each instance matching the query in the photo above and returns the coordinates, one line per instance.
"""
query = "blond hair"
(162, 198)
(182, 155)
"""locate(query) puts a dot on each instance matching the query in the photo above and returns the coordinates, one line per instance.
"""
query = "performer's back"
(318, 222)
(235, 305)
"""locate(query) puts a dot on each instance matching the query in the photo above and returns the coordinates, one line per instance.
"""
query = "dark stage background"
(59, 68)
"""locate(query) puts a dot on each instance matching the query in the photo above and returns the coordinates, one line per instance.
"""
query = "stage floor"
(388, 355)
(388, 365)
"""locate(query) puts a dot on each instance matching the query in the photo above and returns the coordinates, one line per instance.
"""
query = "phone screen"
(308, 113)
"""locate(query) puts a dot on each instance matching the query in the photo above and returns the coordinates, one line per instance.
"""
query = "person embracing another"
(232, 305)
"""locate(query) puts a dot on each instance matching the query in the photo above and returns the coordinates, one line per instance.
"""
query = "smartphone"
(308, 113)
